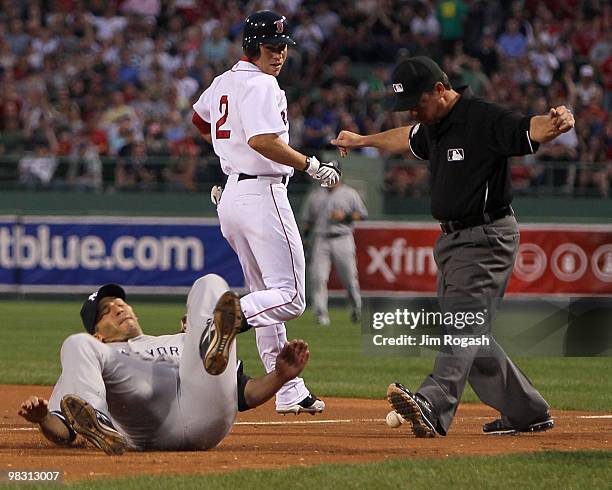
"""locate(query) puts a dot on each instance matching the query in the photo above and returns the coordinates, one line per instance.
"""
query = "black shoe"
(355, 316)
(92, 425)
(500, 428)
(311, 404)
(413, 408)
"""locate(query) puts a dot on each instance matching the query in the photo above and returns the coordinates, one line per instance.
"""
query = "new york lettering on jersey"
(151, 347)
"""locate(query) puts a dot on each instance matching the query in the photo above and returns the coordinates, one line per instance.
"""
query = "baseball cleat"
(311, 404)
(92, 425)
(413, 408)
(227, 320)
(498, 427)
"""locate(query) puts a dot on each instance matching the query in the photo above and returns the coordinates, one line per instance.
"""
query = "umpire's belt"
(469, 222)
(282, 179)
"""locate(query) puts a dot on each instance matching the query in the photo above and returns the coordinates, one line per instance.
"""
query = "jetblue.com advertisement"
(150, 254)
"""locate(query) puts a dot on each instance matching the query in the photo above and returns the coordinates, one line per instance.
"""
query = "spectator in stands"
(180, 175)
(587, 89)
(13, 139)
(512, 43)
(132, 171)
(544, 62)
(487, 53)
(72, 65)
(326, 19)
(85, 167)
(424, 25)
(38, 168)
(452, 15)
(309, 36)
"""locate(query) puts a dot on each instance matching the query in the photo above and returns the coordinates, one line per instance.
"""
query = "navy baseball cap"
(89, 311)
(411, 78)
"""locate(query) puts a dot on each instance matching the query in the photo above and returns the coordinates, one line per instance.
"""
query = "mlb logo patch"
(398, 88)
(455, 154)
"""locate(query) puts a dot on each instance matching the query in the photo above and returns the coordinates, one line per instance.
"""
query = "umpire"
(467, 141)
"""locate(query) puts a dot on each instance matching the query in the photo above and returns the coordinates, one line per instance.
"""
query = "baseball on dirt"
(394, 419)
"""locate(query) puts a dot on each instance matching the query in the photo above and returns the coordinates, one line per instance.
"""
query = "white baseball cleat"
(311, 404)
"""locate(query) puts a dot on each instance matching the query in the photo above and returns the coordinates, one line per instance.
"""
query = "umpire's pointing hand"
(347, 140)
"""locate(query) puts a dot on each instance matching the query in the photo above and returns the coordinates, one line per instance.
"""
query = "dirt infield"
(351, 430)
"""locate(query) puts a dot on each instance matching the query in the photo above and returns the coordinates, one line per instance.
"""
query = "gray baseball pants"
(477, 263)
(154, 403)
(341, 252)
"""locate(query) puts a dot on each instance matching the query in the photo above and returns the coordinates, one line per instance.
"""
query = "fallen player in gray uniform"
(120, 388)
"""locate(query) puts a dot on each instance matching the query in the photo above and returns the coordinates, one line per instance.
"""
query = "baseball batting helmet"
(264, 27)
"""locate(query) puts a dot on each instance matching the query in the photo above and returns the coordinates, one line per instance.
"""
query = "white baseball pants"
(257, 221)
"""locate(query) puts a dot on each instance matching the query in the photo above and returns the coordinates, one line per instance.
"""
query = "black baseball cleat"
(413, 408)
(311, 404)
(498, 427)
(92, 425)
(227, 322)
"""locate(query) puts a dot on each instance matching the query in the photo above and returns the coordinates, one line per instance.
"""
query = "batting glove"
(327, 173)
(215, 194)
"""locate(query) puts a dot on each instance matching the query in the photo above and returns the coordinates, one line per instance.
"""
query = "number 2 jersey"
(241, 103)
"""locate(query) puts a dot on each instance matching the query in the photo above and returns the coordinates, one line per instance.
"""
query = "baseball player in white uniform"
(244, 114)
(120, 388)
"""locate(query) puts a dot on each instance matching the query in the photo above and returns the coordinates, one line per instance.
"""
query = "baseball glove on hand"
(327, 173)
(215, 194)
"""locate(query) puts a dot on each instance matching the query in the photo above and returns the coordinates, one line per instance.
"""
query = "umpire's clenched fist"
(562, 119)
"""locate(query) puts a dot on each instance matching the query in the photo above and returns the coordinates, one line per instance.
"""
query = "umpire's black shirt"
(468, 154)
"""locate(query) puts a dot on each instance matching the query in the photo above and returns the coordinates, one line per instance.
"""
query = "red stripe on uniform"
(201, 124)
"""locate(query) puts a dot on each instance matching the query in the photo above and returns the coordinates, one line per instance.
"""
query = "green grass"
(562, 470)
(31, 334)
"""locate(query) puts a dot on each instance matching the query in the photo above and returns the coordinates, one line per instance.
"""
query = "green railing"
(392, 189)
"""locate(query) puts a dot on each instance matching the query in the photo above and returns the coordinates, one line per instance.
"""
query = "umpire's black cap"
(89, 311)
(411, 78)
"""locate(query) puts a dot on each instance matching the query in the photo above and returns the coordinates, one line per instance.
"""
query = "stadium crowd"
(83, 82)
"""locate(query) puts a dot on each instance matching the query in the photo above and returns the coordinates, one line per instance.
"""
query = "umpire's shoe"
(227, 320)
(499, 427)
(92, 425)
(413, 408)
(311, 404)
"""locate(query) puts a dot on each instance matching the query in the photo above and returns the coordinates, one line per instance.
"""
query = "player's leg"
(270, 339)
(258, 215)
(102, 389)
(257, 220)
(319, 268)
(208, 404)
(345, 260)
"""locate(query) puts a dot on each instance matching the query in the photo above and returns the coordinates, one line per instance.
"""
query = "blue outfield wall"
(73, 254)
